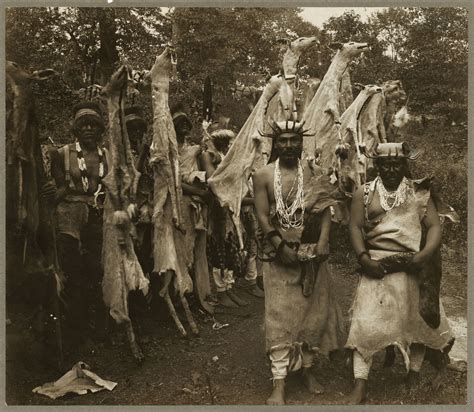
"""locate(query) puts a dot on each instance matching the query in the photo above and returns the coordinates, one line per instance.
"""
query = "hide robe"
(291, 319)
(222, 239)
(386, 311)
(194, 213)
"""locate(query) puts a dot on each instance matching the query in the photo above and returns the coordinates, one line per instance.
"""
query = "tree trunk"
(108, 53)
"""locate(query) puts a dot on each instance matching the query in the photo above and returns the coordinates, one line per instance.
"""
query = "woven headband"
(87, 112)
(134, 118)
(179, 114)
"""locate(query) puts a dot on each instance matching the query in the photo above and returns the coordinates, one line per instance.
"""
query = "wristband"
(273, 233)
(359, 256)
(281, 246)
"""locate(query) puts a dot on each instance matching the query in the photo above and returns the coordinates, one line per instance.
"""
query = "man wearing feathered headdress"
(301, 315)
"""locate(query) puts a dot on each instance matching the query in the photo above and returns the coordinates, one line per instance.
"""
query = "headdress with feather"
(287, 126)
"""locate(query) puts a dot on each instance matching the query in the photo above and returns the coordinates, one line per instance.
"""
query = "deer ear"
(379, 82)
(335, 46)
(43, 74)
(358, 86)
(284, 40)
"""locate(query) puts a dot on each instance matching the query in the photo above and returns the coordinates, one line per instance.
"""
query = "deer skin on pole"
(345, 91)
(29, 218)
(353, 169)
(293, 54)
(122, 271)
(250, 150)
(310, 90)
(322, 114)
(229, 182)
(23, 148)
(168, 241)
(283, 106)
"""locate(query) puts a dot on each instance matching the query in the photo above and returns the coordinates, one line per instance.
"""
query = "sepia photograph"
(235, 205)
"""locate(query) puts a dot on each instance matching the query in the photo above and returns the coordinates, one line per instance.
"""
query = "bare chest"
(287, 183)
(92, 170)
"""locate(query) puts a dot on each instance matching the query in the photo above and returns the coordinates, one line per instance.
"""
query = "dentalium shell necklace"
(398, 197)
(287, 214)
(81, 163)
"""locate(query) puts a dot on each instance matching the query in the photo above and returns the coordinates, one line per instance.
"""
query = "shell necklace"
(81, 163)
(397, 198)
(286, 215)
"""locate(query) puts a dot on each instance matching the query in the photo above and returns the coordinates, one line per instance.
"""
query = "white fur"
(401, 118)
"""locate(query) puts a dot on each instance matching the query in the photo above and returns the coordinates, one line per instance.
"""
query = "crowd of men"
(287, 217)
(77, 194)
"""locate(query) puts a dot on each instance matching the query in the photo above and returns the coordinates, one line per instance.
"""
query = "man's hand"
(48, 192)
(288, 255)
(323, 249)
(372, 268)
(417, 261)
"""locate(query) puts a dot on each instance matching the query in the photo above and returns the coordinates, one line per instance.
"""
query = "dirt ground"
(226, 366)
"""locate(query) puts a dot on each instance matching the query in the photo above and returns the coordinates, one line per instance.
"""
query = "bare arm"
(433, 234)
(356, 225)
(356, 222)
(262, 207)
(205, 160)
(193, 190)
(325, 225)
(323, 241)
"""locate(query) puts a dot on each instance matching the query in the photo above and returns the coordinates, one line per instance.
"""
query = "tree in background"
(426, 48)
(229, 45)
(434, 61)
(372, 65)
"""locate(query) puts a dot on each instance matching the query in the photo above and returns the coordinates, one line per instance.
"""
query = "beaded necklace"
(81, 163)
(398, 197)
(287, 214)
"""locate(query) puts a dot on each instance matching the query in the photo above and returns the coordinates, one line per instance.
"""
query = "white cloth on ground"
(80, 379)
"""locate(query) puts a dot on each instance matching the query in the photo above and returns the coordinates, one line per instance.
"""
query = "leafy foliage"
(424, 47)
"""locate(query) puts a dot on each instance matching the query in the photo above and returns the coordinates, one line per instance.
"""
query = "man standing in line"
(136, 129)
(196, 196)
(78, 170)
(301, 315)
(387, 219)
(223, 247)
